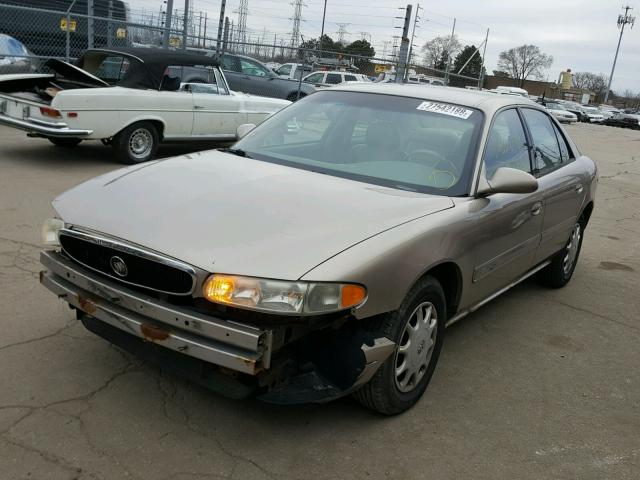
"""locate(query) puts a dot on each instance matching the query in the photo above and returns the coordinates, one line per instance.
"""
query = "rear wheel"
(65, 142)
(137, 143)
(417, 328)
(558, 273)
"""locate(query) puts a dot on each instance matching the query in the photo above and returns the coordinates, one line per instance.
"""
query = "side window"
(506, 144)
(546, 150)
(334, 78)
(251, 68)
(314, 78)
(350, 78)
(284, 69)
(112, 69)
(565, 151)
(230, 63)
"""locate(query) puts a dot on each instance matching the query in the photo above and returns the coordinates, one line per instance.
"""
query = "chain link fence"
(65, 32)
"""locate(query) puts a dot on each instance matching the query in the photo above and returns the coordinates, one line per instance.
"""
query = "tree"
(524, 61)
(594, 82)
(472, 69)
(360, 47)
(328, 44)
(438, 50)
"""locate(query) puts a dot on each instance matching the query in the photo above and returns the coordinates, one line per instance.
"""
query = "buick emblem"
(118, 266)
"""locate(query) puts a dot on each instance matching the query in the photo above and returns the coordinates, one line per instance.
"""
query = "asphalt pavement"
(538, 384)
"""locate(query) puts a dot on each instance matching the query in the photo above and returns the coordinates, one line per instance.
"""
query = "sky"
(579, 34)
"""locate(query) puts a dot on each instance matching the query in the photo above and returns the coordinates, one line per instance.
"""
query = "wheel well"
(586, 213)
(450, 277)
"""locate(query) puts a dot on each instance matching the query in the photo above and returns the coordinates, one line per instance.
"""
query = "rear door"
(560, 177)
(257, 80)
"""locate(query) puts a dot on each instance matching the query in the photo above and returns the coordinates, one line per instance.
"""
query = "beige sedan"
(327, 251)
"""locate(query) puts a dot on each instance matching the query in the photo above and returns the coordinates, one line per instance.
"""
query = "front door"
(509, 225)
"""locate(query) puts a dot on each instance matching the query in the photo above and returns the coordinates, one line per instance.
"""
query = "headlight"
(51, 230)
(277, 296)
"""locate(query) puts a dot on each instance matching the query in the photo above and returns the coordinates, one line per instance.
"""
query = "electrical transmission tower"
(241, 30)
(365, 36)
(297, 18)
(623, 20)
(342, 32)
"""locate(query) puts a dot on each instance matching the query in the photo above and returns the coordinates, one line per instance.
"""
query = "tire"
(137, 143)
(65, 142)
(384, 392)
(558, 273)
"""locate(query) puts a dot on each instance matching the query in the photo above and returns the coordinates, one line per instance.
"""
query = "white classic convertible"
(132, 99)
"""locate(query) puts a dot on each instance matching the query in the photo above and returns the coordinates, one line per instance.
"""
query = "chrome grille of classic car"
(128, 264)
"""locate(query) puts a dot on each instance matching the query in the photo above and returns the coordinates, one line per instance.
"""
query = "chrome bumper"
(43, 127)
(235, 346)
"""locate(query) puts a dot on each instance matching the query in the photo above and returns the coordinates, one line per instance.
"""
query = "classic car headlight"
(277, 296)
(51, 230)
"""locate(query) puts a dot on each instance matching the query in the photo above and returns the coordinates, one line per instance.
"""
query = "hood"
(228, 214)
(74, 73)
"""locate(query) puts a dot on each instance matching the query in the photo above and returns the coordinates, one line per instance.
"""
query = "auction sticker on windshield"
(445, 109)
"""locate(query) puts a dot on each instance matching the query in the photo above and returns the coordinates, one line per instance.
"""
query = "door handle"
(536, 209)
(198, 107)
(579, 188)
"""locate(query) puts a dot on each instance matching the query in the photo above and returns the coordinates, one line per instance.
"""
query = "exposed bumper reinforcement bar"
(238, 347)
(44, 128)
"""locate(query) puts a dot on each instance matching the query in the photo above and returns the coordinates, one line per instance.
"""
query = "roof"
(150, 64)
(485, 101)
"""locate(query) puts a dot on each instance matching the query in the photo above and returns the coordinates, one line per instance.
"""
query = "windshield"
(400, 142)
(555, 106)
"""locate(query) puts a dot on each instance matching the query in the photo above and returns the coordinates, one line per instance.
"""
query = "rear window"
(112, 69)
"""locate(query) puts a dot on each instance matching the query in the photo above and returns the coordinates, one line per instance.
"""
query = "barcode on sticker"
(445, 109)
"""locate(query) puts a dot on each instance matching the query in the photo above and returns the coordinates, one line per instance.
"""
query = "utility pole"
(109, 23)
(484, 51)
(446, 73)
(404, 46)
(324, 14)
(622, 21)
(413, 34)
(223, 5)
(167, 24)
(225, 37)
(186, 24)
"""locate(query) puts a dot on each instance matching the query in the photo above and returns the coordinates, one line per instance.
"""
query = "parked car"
(561, 113)
(15, 57)
(592, 115)
(130, 99)
(575, 108)
(293, 70)
(425, 80)
(504, 90)
(329, 78)
(305, 264)
(624, 120)
(248, 75)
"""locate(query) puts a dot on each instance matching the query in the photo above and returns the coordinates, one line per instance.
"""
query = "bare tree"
(523, 62)
(594, 82)
(437, 51)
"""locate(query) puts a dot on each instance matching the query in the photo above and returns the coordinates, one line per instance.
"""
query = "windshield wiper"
(235, 151)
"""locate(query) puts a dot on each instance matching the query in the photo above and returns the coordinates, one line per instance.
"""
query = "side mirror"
(508, 180)
(243, 129)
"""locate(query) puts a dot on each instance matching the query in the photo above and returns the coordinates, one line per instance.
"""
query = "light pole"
(324, 14)
(622, 21)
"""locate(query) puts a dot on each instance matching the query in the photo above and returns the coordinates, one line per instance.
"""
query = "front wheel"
(65, 142)
(417, 328)
(137, 143)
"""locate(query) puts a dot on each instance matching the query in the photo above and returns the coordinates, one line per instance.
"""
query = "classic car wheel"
(137, 143)
(65, 142)
(558, 273)
(417, 328)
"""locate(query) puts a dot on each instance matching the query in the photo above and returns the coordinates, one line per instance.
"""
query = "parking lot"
(538, 384)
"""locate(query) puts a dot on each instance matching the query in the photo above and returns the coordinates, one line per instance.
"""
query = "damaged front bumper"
(232, 358)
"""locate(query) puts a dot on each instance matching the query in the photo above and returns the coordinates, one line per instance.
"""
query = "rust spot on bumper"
(87, 305)
(152, 333)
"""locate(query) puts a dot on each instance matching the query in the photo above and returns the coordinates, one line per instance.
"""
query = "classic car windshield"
(400, 142)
